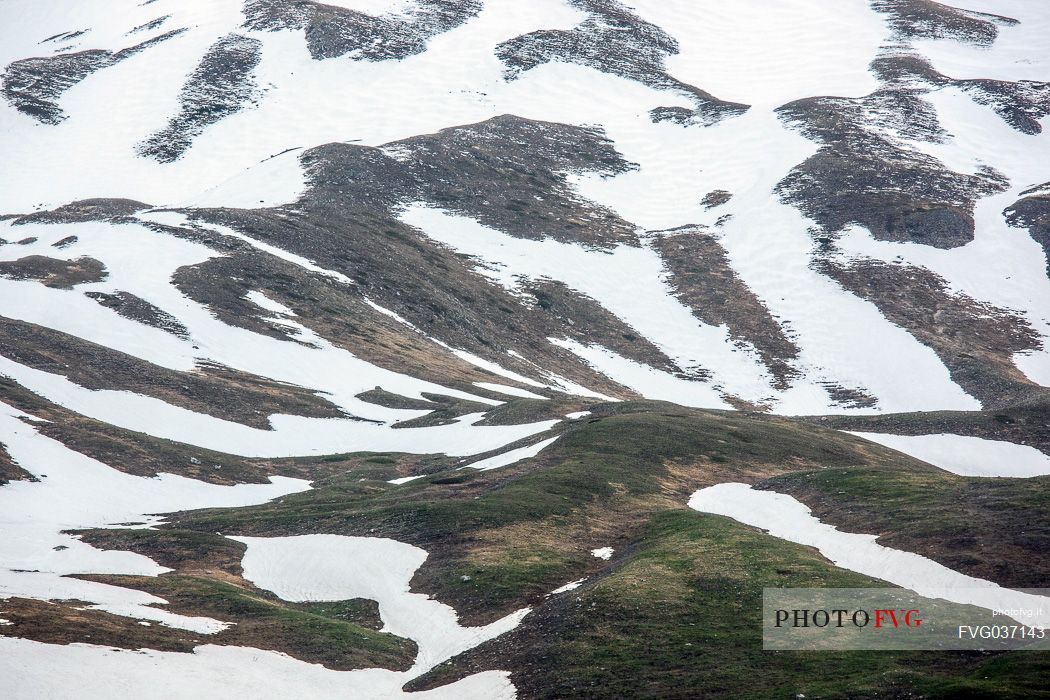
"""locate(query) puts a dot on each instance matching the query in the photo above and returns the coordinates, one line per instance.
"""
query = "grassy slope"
(519, 531)
(673, 613)
(678, 617)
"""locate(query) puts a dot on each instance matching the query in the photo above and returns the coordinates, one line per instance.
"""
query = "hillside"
(482, 348)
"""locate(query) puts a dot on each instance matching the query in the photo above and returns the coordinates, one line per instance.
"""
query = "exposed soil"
(1026, 423)
(340, 314)
(105, 209)
(508, 173)
(703, 279)
(1021, 104)
(677, 615)
(976, 341)
(33, 86)
(144, 455)
(332, 30)
(926, 19)
(151, 25)
(220, 85)
(1033, 212)
(53, 272)
(520, 531)
(615, 40)
(850, 397)
(73, 622)
(990, 528)
(9, 470)
(331, 635)
(716, 198)
(679, 583)
(189, 553)
(138, 309)
(862, 176)
(212, 389)
(208, 581)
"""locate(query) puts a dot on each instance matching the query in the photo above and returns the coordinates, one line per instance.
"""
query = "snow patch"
(647, 381)
(784, 517)
(570, 586)
(265, 302)
(336, 567)
(375, 7)
(511, 456)
(275, 181)
(496, 369)
(968, 456)
(77, 492)
(767, 54)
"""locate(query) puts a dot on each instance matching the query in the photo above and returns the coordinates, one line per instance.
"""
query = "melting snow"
(784, 517)
(747, 50)
(75, 492)
(511, 456)
(571, 586)
(969, 456)
(495, 369)
(290, 436)
(631, 286)
(404, 479)
(142, 261)
(647, 381)
(265, 302)
(336, 567)
(271, 183)
(376, 7)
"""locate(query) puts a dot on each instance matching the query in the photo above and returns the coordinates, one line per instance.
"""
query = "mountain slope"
(345, 339)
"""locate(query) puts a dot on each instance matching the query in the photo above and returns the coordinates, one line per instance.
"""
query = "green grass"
(517, 573)
(680, 618)
(341, 635)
